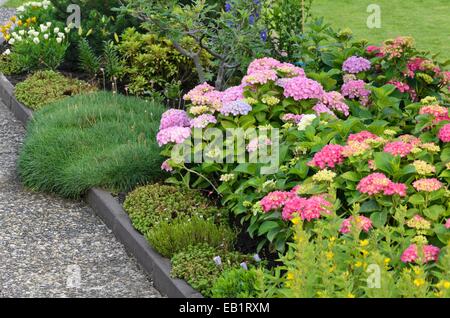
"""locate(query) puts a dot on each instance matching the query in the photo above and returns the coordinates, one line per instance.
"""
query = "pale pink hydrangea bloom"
(263, 64)
(398, 148)
(259, 77)
(356, 89)
(438, 112)
(257, 143)
(363, 223)
(292, 118)
(203, 121)
(329, 156)
(300, 88)
(362, 136)
(444, 133)
(166, 166)
(427, 185)
(410, 139)
(232, 94)
(173, 134)
(447, 224)
(335, 101)
(411, 254)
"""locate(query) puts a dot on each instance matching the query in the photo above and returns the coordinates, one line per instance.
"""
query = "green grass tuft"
(99, 139)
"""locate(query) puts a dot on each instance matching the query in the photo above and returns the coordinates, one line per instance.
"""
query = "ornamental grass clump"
(95, 140)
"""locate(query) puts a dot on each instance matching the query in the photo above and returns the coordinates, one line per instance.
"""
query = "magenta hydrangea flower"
(398, 148)
(356, 64)
(173, 134)
(378, 183)
(335, 101)
(275, 200)
(203, 121)
(427, 185)
(174, 118)
(356, 89)
(232, 94)
(329, 156)
(236, 108)
(306, 209)
(444, 133)
(363, 223)
(429, 252)
(300, 88)
(291, 118)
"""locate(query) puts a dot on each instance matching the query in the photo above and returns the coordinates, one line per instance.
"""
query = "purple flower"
(356, 89)
(263, 35)
(232, 94)
(335, 101)
(320, 108)
(174, 118)
(355, 65)
(292, 118)
(227, 7)
(236, 108)
(251, 19)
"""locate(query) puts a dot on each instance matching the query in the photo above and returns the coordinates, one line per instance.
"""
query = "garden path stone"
(51, 247)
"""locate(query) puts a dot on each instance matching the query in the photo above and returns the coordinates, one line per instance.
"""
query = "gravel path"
(50, 247)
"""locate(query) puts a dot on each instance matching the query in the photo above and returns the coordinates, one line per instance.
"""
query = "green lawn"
(428, 21)
(14, 3)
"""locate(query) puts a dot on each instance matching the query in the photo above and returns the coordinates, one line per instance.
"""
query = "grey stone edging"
(113, 215)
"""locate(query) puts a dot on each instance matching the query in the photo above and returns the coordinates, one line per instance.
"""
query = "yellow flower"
(387, 260)
(290, 276)
(7, 37)
(419, 282)
(13, 19)
(358, 264)
(443, 284)
(364, 243)
(365, 252)
(329, 255)
(33, 19)
(19, 23)
(295, 220)
(350, 295)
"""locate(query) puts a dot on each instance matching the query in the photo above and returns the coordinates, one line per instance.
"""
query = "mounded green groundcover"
(99, 139)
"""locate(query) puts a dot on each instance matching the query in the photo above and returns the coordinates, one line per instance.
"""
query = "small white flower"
(61, 35)
(43, 28)
(7, 52)
(217, 260)
(56, 30)
(306, 121)
(67, 29)
(49, 24)
(36, 33)
(244, 266)
(36, 40)
(20, 9)
(46, 36)
(12, 41)
(14, 35)
(19, 38)
(59, 40)
(22, 32)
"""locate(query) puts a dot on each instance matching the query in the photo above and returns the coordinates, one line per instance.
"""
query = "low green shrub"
(196, 265)
(148, 205)
(169, 238)
(236, 283)
(45, 87)
(99, 139)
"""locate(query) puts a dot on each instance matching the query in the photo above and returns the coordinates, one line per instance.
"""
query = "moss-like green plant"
(236, 283)
(44, 87)
(153, 203)
(169, 238)
(196, 265)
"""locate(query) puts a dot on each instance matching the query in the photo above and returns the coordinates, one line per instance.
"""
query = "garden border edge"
(108, 209)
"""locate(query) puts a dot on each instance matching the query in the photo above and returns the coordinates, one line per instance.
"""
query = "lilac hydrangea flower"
(356, 64)
(320, 108)
(174, 118)
(356, 89)
(236, 108)
(335, 101)
(232, 94)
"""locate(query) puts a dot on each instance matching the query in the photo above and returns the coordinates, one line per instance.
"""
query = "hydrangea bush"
(354, 151)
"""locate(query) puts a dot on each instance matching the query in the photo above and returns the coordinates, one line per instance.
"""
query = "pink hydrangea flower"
(329, 156)
(232, 94)
(398, 148)
(362, 136)
(410, 139)
(263, 64)
(372, 49)
(307, 209)
(438, 112)
(378, 183)
(174, 118)
(444, 133)
(292, 118)
(363, 223)
(236, 108)
(320, 108)
(411, 254)
(300, 88)
(203, 121)
(356, 89)
(204, 95)
(290, 70)
(257, 143)
(275, 200)
(173, 134)
(356, 64)
(335, 101)
(259, 77)
(427, 185)
(166, 166)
